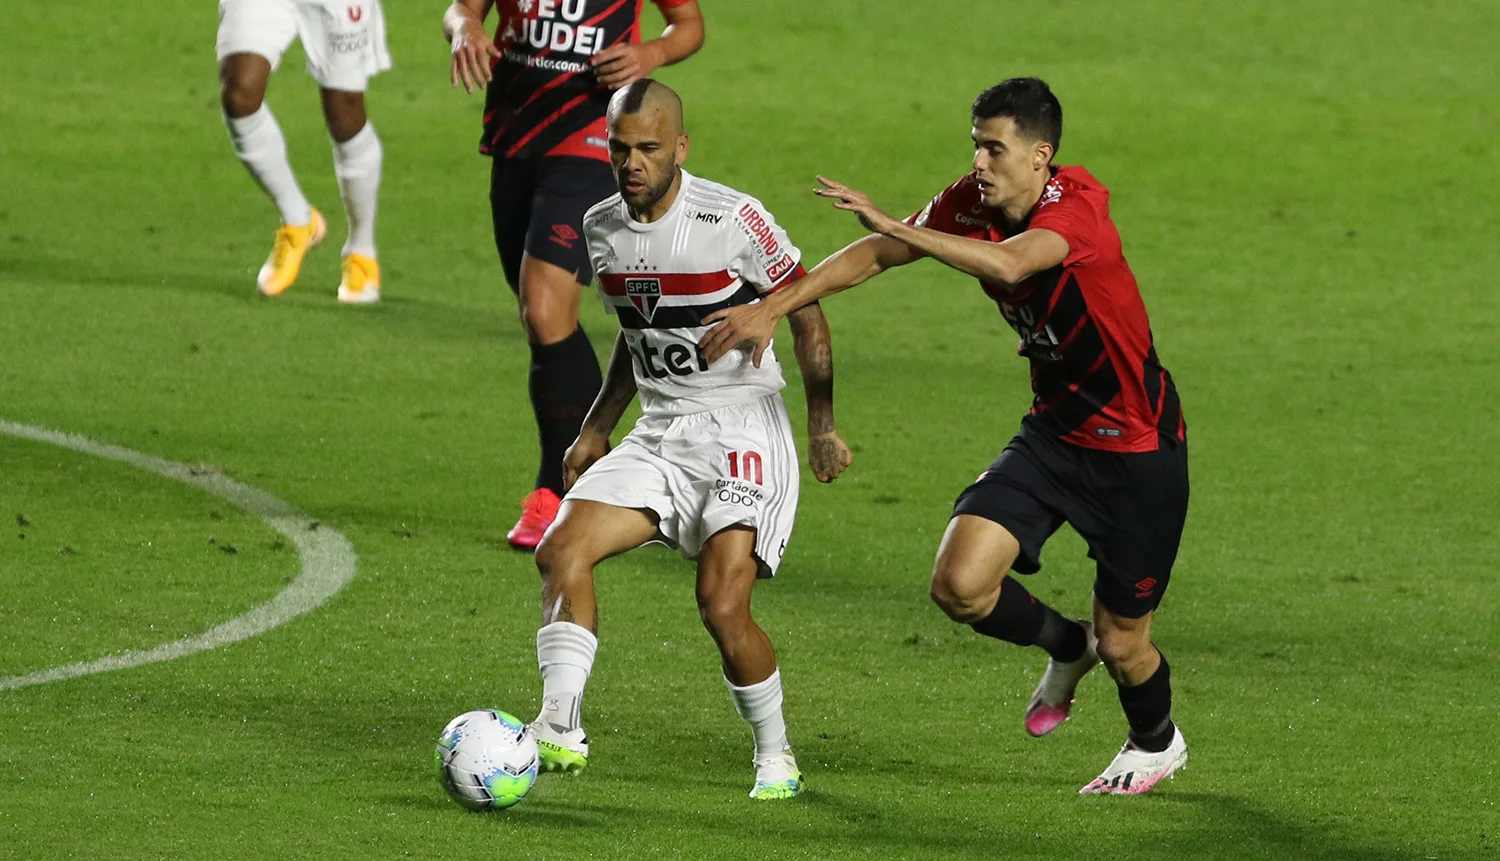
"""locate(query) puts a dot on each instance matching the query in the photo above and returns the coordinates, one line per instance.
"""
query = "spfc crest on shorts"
(644, 294)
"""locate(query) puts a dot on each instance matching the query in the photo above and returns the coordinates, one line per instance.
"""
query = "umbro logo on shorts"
(1143, 587)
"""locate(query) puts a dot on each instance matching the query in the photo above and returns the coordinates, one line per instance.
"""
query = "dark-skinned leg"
(256, 136)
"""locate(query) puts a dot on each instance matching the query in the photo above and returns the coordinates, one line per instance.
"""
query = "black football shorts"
(1129, 508)
(537, 204)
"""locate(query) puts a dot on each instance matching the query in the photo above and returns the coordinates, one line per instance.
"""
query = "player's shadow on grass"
(1267, 834)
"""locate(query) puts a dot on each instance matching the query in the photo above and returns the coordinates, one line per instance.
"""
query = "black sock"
(564, 380)
(1020, 618)
(1148, 707)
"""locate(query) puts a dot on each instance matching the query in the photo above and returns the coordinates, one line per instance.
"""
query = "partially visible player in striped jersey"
(711, 466)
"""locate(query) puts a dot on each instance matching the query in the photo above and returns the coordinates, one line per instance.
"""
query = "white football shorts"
(344, 40)
(704, 472)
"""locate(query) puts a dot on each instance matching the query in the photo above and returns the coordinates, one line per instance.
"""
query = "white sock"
(565, 652)
(258, 141)
(356, 162)
(760, 704)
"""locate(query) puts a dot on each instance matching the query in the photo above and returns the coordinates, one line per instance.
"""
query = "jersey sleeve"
(600, 256)
(670, 4)
(760, 251)
(1067, 213)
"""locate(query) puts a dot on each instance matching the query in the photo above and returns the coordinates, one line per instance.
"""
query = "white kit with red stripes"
(714, 248)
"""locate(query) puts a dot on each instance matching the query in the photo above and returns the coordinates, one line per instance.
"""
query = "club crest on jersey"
(644, 293)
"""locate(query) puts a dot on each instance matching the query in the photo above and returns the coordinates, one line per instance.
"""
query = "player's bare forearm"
(683, 36)
(813, 344)
(854, 264)
(462, 12)
(616, 393)
(1008, 262)
(826, 452)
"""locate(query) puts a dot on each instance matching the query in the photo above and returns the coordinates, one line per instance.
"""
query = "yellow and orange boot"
(293, 241)
(361, 284)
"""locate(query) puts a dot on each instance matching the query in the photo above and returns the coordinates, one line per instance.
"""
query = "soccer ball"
(486, 759)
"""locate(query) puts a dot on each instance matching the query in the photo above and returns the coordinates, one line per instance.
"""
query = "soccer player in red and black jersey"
(1104, 447)
(548, 75)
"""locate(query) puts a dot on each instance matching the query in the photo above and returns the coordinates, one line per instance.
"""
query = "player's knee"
(554, 557)
(1122, 650)
(239, 96)
(344, 112)
(953, 593)
(547, 321)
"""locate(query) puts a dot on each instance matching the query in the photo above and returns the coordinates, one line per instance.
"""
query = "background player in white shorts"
(345, 45)
(711, 467)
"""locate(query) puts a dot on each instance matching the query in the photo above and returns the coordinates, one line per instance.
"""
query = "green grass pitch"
(1306, 192)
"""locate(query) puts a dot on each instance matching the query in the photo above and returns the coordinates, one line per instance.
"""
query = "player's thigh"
(512, 186)
(262, 28)
(1019, 493)
(344, 41)
(629, 477)
(972, 559)
(566, 186)
(1133, 524)
(727, 570)
(587, 532)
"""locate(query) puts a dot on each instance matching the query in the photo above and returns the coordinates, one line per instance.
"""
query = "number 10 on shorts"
(748, 461)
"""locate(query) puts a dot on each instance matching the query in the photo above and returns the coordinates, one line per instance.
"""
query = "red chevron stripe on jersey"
(670, 283)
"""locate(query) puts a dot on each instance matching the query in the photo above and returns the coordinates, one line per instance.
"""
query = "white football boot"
(1135, 771)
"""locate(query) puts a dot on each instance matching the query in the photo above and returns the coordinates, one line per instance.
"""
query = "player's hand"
(581, 455)
(851, 200)
(472, 53)
(828, 456)
(623, 64)
(746, 327)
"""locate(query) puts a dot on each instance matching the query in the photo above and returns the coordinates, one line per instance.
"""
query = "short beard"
(651, 196)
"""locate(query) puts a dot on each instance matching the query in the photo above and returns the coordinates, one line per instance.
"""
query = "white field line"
(328, 561)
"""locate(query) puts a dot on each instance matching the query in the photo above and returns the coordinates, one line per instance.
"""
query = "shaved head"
(646, 146)
(647, 97)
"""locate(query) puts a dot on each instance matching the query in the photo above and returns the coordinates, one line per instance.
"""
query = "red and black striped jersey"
(1095, 377)
(544, 98)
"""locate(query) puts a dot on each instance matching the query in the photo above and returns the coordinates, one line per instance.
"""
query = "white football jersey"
(714, 248)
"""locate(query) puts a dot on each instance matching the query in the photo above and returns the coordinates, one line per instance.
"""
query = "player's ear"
(1041, 155)
(682, 150)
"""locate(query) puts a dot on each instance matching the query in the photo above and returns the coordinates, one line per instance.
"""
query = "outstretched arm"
(614, 396)
(751, 326)
(826, 452)
(1008, 262)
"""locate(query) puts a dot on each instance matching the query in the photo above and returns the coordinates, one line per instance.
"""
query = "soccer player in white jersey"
(711, 467)
(345, 45)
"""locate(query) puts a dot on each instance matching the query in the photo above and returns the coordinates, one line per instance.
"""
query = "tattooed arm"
(826, 452)
(615, 395)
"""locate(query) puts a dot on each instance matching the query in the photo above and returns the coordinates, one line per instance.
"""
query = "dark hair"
(1028, 101)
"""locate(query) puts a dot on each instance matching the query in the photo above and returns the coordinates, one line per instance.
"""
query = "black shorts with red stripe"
(1129, 507)
(537, 205)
